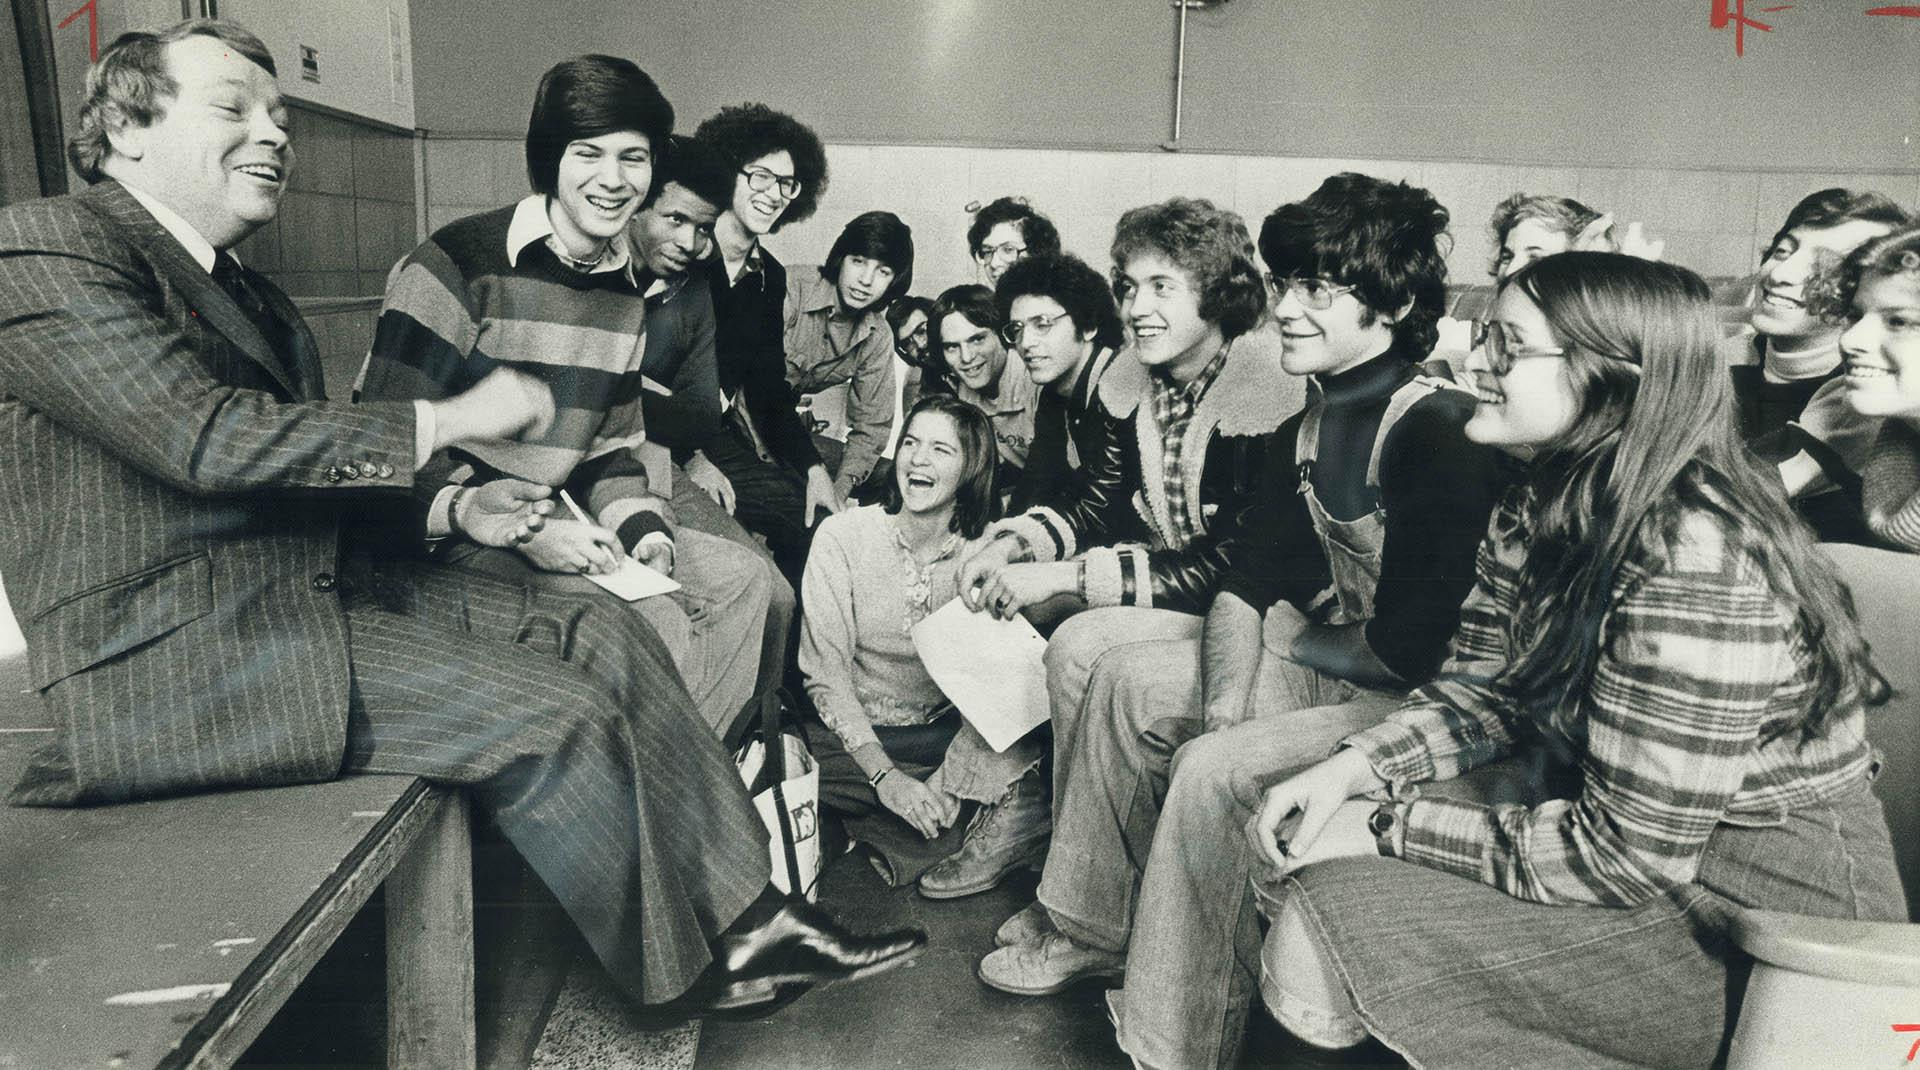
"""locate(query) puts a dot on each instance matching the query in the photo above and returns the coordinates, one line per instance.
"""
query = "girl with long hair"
(893, 753)
(1672, 671)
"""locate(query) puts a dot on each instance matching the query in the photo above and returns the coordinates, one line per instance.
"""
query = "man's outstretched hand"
(505, 512)
(506, 404)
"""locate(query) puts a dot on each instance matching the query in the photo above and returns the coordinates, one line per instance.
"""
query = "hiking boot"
(1000, 839)
(1025, 927)
(1047, 965)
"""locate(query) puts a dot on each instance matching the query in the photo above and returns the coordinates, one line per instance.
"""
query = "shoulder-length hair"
(743, 133)
(129, 84)
(1830, 295)
(586, 97)
(977, 501)
(1653, 441)
(880, 236)
(1212, 245)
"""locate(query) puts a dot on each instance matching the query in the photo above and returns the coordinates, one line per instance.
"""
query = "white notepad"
(632, 580)
(635, 581)
(989, 669)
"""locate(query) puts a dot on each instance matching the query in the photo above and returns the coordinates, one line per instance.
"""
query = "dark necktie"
(234, 279)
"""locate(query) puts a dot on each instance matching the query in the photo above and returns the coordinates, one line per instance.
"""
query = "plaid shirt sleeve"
(1459, 721)
(1697, 660)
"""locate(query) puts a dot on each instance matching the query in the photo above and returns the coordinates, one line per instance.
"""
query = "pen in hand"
(612, 562)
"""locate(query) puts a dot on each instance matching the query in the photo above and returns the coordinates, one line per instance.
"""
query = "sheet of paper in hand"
(634, 581)
(990, 669)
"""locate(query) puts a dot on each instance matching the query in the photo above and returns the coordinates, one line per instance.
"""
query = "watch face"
(1381, 821)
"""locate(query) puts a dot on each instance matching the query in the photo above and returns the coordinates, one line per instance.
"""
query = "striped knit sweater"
(467, 301)
(1891, 493)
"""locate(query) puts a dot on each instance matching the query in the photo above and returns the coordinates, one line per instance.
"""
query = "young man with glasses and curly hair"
(764, 454)
(1007, 231)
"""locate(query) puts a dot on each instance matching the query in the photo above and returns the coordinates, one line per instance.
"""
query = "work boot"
(1047, 965)
(1029, 925)
(1000, 839)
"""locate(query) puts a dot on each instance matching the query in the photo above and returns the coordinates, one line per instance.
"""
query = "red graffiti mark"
(1913, 1027)
(1902, 11)
(92, 10)
(1735, 15)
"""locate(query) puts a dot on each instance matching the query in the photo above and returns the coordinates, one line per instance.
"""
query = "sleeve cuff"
(1046, 534)
(426, 428)
(1118, 576)
(1396, 752)
(643, 525)
(440, 513)
(1446, 834)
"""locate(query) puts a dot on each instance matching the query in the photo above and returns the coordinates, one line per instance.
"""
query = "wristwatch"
(1382, 823)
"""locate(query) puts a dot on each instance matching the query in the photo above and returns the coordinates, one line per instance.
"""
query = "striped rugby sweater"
(461, 305)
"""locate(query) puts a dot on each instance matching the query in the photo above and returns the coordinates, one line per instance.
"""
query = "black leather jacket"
(1115, 499)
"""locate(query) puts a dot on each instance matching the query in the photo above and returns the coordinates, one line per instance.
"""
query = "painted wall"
(365, 61)
(1712, 221)
(1566, 83)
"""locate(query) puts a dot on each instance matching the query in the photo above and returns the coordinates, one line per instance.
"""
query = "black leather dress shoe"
(716, 995)
(802, 945)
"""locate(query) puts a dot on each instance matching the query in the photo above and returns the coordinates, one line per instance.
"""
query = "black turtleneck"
(1437, 489)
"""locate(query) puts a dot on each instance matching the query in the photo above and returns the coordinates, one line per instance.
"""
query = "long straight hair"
(1653, 441)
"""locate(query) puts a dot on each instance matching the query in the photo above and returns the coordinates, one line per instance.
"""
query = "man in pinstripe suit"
(195, 619)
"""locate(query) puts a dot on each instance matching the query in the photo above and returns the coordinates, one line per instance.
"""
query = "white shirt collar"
(530, 224)
(198, 247)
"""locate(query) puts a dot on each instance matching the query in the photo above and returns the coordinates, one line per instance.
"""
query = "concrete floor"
(542, 1002)
(932, 1014)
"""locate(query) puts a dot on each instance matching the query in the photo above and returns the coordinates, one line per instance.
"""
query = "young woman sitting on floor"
(891, 740)
(1677, 674)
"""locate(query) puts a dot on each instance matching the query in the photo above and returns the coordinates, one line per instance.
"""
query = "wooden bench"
(167, 934)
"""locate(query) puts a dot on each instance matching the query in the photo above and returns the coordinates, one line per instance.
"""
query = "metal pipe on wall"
(1172, 144)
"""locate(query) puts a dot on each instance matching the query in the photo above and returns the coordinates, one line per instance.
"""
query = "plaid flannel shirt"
(1676, 733)
(1173, 408)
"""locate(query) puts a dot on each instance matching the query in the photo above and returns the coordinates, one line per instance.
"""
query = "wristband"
(879, 775)
(453, 511)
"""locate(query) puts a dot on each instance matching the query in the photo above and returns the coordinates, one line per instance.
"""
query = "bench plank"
(161, 934)
(430, 1024)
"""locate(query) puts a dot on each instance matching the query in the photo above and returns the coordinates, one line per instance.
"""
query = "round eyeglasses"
(1018, 329)
(1005, 250)
(760, 180)
(1501, 355)
(1315, 294)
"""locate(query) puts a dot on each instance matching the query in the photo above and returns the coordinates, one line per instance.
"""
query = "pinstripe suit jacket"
(172, 530)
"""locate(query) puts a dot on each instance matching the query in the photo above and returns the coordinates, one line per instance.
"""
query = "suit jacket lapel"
(306, 352)
(112, 200)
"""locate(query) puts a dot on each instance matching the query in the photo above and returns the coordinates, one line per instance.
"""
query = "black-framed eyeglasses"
(1502, 355)
(1006, 248)
(1016, 330)
(760, 180)
(1315, 294)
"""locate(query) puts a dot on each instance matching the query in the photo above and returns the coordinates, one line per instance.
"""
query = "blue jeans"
(1451, 972)
(1167, 882)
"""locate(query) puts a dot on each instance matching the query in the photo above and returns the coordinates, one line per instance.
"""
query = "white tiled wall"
(1712, 221)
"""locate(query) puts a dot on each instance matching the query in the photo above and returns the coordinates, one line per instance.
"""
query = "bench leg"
(430, 948)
